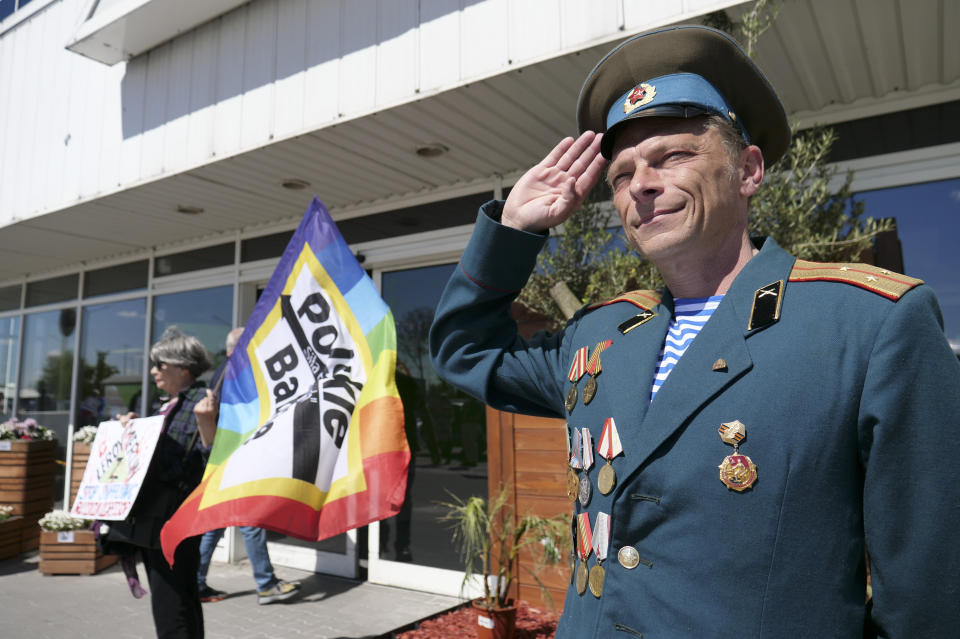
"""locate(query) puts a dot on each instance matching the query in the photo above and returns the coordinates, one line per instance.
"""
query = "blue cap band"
(677, 95)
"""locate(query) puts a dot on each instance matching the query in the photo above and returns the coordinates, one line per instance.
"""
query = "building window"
(264, 247)
(115, 279)
(195, 260)
(928, 223)
(55, 289)
(10, 297)
(111, 360)
(206, 314)
(9, 7)
(46, 369)
(9, 345)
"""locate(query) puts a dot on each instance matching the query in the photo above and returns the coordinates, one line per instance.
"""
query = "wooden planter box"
(81, 454)
(71, 553)
(27, 470)
(10, 537)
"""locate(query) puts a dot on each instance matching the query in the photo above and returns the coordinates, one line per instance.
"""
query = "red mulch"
(532, 623)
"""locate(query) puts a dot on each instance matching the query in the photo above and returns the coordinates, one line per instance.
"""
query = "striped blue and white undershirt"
(689, 317)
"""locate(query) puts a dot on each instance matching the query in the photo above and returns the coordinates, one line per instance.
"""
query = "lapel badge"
(737, 472)
(766, 305)
(643, 317)
(641, 95)
(720, 365)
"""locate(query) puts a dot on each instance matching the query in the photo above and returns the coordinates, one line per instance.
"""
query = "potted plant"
(490, 538)
(9, 532)
(27, 468)
(82, 441)
(68, 546)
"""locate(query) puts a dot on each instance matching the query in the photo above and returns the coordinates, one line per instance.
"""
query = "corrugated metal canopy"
(828, 59)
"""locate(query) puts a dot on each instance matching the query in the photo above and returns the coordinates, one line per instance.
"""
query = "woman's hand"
(206, 412)
(125, 419)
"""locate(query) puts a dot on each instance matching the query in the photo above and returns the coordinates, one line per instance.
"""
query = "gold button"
(628, 557)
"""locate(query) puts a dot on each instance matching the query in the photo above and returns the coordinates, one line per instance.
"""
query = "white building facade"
(155, 156)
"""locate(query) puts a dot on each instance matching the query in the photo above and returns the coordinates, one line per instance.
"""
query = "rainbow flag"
(310, 439)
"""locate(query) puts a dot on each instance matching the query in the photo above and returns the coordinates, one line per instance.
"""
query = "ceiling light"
(431, 150)
(189, 210)
(294, 184)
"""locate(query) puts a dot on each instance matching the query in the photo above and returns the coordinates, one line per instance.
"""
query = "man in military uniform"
(744, 439)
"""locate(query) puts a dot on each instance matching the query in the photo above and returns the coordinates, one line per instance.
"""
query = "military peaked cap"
(683, 71)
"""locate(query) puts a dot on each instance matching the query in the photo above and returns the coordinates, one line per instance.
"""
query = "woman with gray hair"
(189, 426)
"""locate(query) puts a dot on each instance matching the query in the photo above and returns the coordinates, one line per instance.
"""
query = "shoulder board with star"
(641, 299)
(872, 278)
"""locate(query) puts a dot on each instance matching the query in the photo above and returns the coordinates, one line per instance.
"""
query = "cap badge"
(641, 95)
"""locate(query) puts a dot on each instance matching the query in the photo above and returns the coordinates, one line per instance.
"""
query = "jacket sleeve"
(474, 343)
(909, 429)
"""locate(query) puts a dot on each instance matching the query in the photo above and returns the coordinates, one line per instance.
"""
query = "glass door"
(446, 430)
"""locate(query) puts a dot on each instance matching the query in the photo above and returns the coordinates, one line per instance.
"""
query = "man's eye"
(619, 180)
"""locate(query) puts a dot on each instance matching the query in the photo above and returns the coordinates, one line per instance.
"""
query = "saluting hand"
(551, 191)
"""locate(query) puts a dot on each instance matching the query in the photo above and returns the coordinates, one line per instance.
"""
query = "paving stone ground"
(100, 606)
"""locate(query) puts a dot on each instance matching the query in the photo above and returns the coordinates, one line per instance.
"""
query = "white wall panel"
(157, 89)
(439, 44)
(397, 50)
(177, 117)
(13, 55)
(226, 119)
(639, 14)
(203, 94)
(323, 64)
(535, 27)
(111, 132)
(483, 38)
(133, 87)
(586, 21)
(28, 83)
(291, 64)
(259, 69)
(358, 62)
(89, 134)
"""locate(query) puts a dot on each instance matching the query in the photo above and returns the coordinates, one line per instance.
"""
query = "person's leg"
(255, 540)
(208, 543)
(174, 597)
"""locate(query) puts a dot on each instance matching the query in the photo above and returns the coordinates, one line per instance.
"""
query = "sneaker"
(280, 591)
(208, 594)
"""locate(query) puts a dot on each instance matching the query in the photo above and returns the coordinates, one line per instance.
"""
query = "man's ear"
(751, 170)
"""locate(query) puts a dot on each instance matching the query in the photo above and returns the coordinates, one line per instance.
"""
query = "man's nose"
(645, 183)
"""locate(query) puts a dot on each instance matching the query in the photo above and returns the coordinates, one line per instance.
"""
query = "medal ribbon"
(576, 450)
(579, 365)
(601, 536)
(584, 536)
(587, 449)
(610, 445)
(593, 366)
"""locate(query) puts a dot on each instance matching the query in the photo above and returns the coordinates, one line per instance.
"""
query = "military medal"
(583, 494)
(577, 368)
(584, 548)
(608, 448)
(593, 369)
(601, 543)
(737, 472)
(573, 479)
